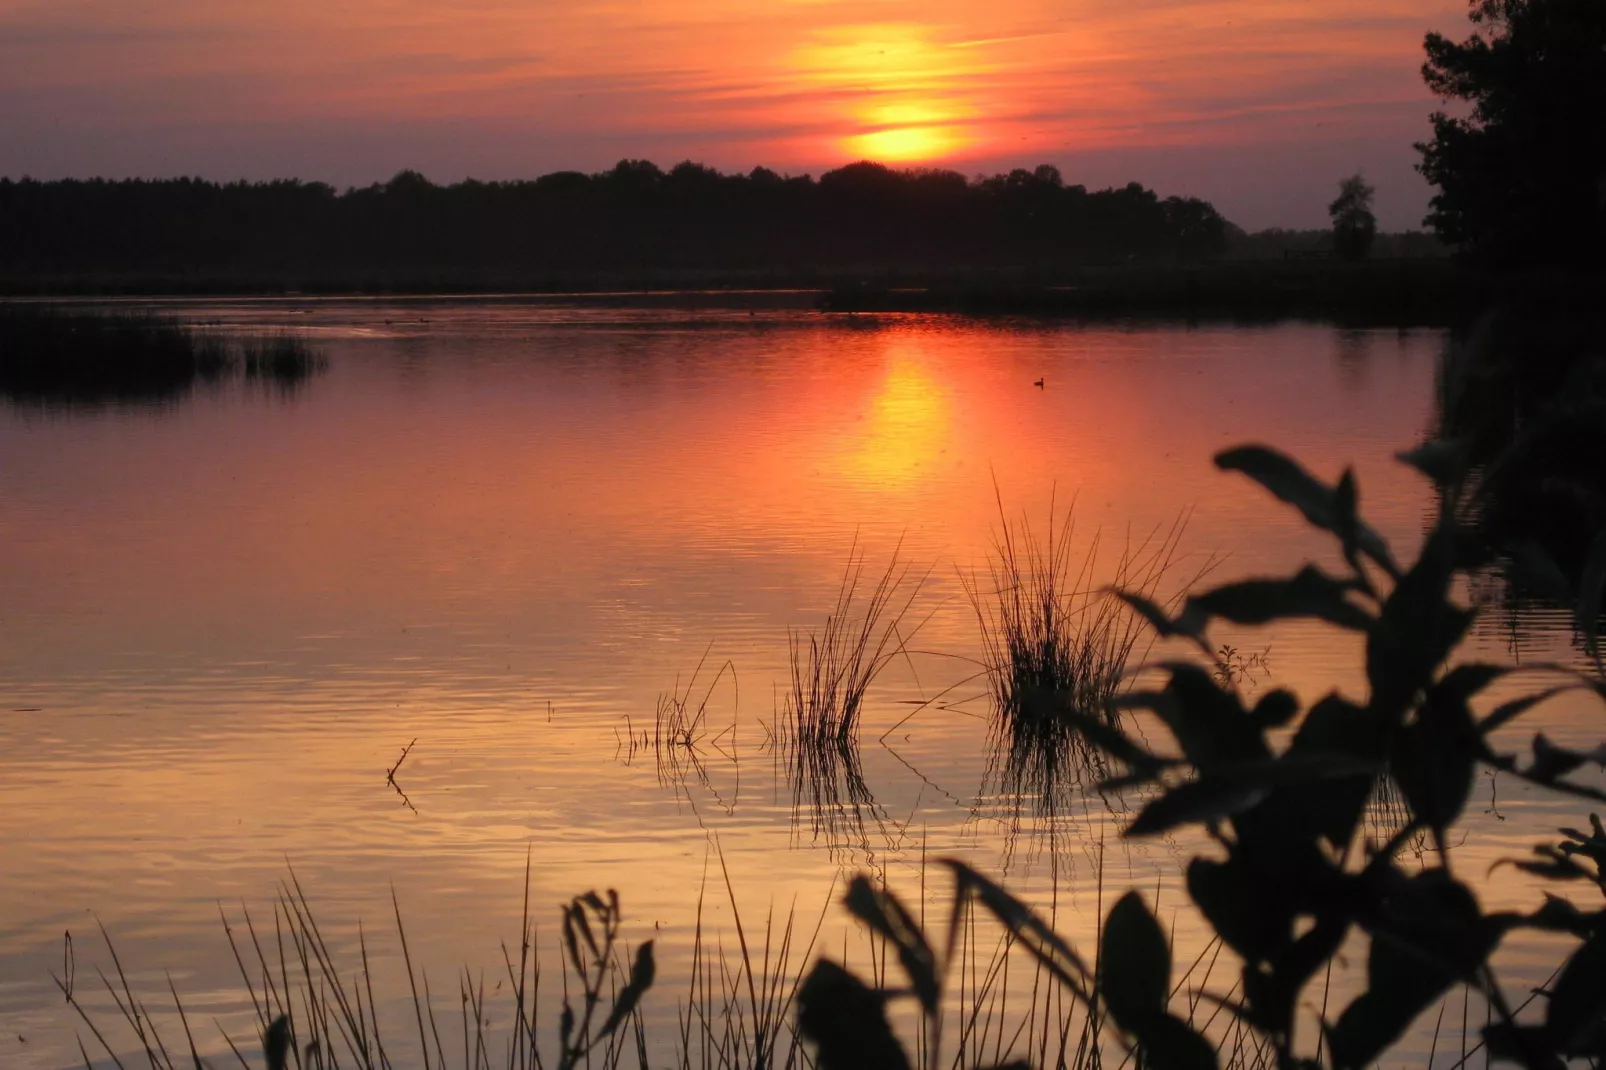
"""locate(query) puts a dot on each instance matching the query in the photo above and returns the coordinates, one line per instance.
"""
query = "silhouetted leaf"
(1333, 809)
(1466, 680)
(1023, 923)
(1551, 761)
(1443, 460)
(1197, 802)
(1210, 724)
(1189, 625)
(1416, 630)
(1109, 739)
(642, 972)
(1532, 564)
(1286, 479)
(1432, 758)
(1560, 916)
(1526, 1045)
(1509, 711)
(1231, 790)
(1171, 1044)
(1134, 964)
(1552, 868)
(1310, 593)
(1578, 999)
(1275, 709)
(1591, 846)
(847, 1021)
(1429, 935)
(882, 911)
(1351, 532)
(1239, 908)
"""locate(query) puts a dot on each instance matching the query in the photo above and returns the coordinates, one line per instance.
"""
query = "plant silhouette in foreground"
(1279, 793)
(1282, 791)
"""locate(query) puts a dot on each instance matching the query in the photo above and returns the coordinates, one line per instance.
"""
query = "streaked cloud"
(798, 84)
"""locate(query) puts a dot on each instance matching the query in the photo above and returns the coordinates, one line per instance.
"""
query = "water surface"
(500, 530)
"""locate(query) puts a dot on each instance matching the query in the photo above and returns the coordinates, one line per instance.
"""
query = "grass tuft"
(1054, 639)
(833, 669)
(286, 360)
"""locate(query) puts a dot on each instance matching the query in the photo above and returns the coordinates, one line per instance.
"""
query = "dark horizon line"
(639, 168)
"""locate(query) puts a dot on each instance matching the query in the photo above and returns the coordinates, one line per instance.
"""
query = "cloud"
(108, 86)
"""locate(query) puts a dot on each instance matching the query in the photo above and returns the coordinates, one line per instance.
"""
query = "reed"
(316, 1002)
(832, 669)
(1054, 639)
(283, 359)
(682, 739)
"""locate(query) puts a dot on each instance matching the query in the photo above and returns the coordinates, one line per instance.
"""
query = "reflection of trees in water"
(1354, 356)
(1522, 396)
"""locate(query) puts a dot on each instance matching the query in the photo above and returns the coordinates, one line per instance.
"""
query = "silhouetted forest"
(632, 219)
(1278, 243)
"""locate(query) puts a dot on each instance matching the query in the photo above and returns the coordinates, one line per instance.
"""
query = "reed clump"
(283, 359)
(65, 356)
(832, 669)
(1056, 643)
(79, 357)
(681, 737)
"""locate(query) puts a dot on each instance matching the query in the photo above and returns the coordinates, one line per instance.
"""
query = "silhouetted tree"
(1354, 225)
(1522, 178)
(631, 221)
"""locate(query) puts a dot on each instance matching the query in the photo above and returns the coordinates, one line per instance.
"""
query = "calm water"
(502, 530)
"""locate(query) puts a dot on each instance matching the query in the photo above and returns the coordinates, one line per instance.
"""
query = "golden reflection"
(906, 428)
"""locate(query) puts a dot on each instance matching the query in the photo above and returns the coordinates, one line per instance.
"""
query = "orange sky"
(1258, 104)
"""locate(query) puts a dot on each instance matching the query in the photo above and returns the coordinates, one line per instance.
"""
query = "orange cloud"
(509, 87)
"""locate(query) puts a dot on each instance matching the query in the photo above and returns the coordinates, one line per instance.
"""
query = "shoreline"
(1378, 293)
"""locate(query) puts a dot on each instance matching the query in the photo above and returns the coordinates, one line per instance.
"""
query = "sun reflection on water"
(906, 429)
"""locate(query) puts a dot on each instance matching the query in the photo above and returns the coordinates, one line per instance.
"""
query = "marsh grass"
(65, 356)
(832, 669)
(832, 799)
(682, 739)
(727, 1004)
(70, 356)
(1055, 639)
(283, 359)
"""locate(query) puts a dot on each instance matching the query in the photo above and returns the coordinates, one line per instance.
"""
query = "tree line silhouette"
(1521, 168)
(632, 219)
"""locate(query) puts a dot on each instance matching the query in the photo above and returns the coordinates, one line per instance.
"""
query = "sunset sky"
(1258, 105)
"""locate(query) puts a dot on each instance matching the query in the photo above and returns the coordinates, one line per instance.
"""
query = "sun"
(902, 132)
(899, 91)
(900, 144)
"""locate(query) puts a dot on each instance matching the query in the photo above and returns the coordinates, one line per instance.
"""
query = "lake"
(495, 533)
